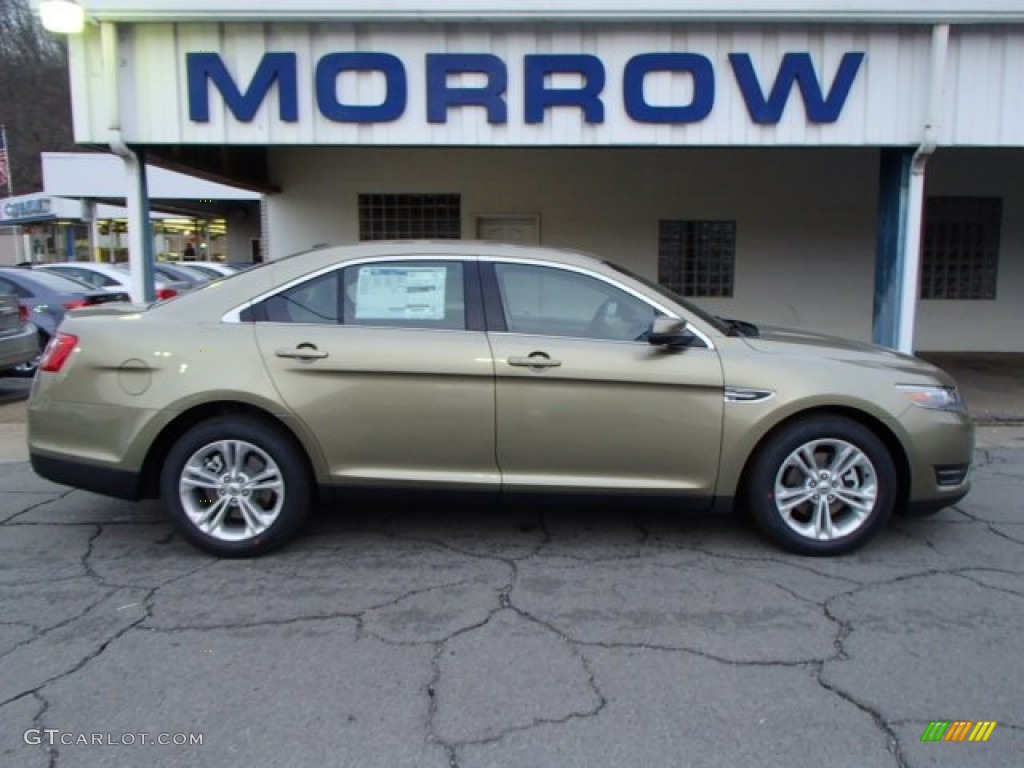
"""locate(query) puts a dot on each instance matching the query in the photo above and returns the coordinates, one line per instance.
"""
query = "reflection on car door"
(385, 363)
(584, 401)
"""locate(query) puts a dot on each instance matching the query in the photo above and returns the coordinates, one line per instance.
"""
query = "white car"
(222, 269)
(109, 277)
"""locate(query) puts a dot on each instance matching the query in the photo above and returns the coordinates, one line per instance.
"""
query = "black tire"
(837, 512)
(241, 519)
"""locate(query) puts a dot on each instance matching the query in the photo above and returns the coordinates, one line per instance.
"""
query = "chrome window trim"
(234, 315)
(603, 278)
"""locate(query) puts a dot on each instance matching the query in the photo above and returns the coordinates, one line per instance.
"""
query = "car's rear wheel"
(822, 486)
(236, 486)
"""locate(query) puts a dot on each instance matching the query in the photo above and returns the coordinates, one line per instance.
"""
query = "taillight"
(75, 304)
(22, 314)
(165, 293)
(57, 352)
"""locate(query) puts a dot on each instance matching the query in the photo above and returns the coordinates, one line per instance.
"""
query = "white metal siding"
(608, 10)
(885, 105)
(984, 100)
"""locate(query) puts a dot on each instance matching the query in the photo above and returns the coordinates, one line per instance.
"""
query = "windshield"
(674, 297)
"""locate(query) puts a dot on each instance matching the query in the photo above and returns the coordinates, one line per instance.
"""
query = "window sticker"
(400, 293)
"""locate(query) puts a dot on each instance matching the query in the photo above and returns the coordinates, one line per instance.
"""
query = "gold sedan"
(463, 365)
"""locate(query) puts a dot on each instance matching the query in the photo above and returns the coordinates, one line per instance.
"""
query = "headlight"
(935, 398)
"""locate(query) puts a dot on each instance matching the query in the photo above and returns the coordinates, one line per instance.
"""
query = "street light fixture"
(64, 17)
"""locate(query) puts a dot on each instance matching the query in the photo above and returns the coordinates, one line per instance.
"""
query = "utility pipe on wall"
(140, 244)
(915, 203)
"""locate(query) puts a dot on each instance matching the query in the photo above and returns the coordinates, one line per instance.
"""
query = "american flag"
(5, 178)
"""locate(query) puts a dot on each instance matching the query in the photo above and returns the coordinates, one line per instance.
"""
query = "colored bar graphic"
(982, 730)
(959, 730)
(935, 731)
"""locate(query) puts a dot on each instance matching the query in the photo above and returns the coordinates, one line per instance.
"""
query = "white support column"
(912, 259)
(915, 194)
(89, 217)
(140, 243)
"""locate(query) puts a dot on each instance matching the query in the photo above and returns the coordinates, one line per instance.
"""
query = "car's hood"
(773, 340)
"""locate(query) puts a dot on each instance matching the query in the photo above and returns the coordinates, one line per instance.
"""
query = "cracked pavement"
(525, 634)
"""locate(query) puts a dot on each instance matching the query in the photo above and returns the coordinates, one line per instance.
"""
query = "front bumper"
(940, 451)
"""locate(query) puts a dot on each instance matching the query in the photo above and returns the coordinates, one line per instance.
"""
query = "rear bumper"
(120, 483)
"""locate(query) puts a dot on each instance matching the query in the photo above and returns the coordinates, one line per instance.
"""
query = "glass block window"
(960, 247)
(697, 258)
(410, 217)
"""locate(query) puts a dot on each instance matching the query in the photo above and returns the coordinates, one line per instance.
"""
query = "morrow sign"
(765, 94)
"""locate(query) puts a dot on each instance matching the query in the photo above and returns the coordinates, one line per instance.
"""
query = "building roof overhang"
(463, 11)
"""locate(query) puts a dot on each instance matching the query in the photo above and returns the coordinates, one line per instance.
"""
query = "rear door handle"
(536, 360)
(301, 352)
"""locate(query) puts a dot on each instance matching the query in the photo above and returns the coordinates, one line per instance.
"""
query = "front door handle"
(301, 352)
(536, 360)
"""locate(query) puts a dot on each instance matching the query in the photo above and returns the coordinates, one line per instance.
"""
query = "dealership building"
(853, 167)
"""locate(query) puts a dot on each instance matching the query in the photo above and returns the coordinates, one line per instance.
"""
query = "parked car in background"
(111, 277)
(461, 365)
(19, 341)
(177, 273)
(214, 269)
(46, 298)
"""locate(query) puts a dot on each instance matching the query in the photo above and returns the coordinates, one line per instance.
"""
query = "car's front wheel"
(822, 486)
(236, 486)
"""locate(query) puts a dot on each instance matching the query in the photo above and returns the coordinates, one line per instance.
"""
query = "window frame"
(255, 311)
(494, 308)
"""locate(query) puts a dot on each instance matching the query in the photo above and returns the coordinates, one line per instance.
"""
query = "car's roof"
(122, 275)
(458, 248)
(47, 280)
(95, 265)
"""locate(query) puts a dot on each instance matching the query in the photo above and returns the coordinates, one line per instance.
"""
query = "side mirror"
(670, 333)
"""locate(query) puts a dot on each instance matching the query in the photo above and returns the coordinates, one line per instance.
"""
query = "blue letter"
(333, 64)
(491, 97)
(798, 68)
(206, 67)
(699, 67)
(587, 98)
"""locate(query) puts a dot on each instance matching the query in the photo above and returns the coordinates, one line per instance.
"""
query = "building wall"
(243, 228)
(805, 218)
(886, 103)
(9, 247)
(984, 326)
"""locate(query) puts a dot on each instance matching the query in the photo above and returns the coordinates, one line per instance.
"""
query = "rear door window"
(398, 294)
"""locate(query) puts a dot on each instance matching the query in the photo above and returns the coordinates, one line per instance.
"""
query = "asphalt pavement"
(526, 636)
